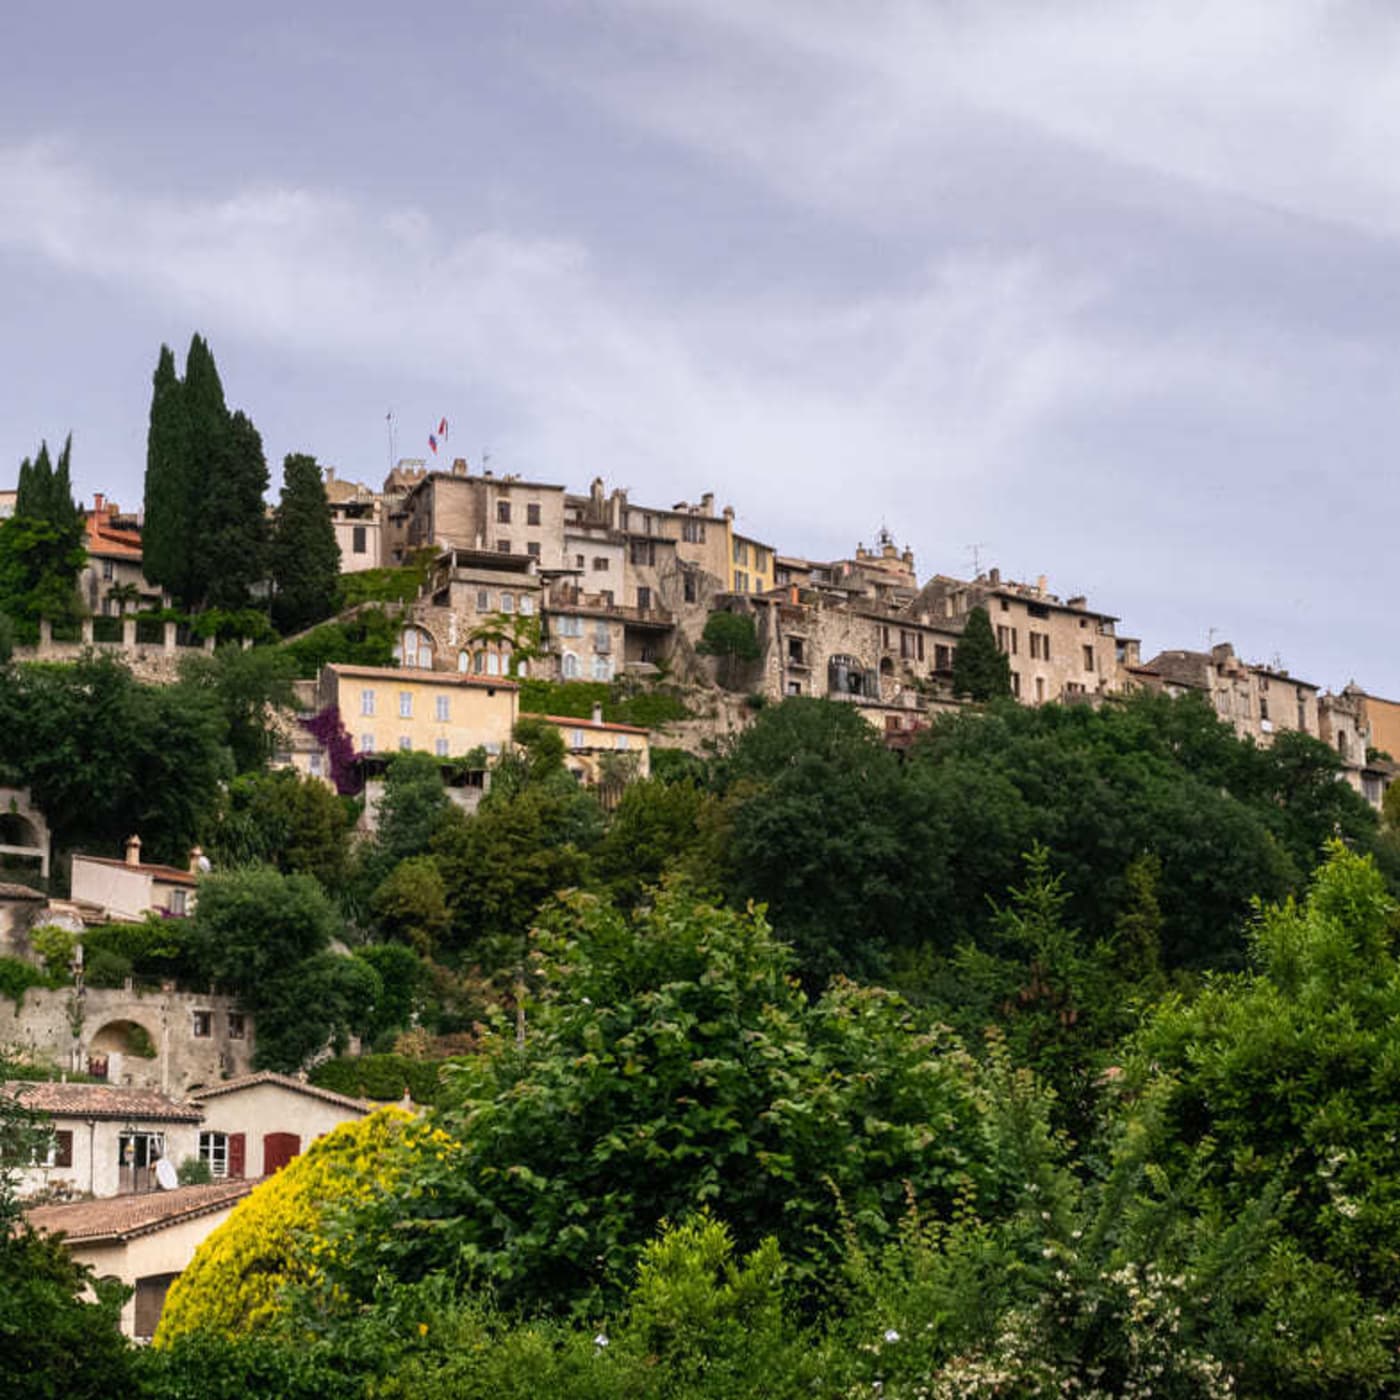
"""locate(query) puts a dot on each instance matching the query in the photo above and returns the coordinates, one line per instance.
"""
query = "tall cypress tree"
(41, 544)
(305, 558)
(981, 671)
(166, 536)
(206, 527)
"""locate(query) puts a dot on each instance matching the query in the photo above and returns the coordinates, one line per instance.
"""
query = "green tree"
(731, 637)
(250, 686)
(205, 537)
(981, 670)
(673, 1063)
(41, 546)
(305, 558)
(295, 823)
(411, 904)
(654, 830)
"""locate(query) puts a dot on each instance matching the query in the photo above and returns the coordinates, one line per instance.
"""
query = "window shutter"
(63, 1148)
(237, 1154)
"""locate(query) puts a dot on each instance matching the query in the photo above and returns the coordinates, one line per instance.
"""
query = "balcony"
(564, 599)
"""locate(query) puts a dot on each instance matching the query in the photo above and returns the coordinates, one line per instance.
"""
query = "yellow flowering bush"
(276, 1235)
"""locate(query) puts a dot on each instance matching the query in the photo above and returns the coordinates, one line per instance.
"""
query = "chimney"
(98, 501)
(994, 577)
(196, 859)
(330, 475)
(459, 466)
(707, 503)
(1040, 586)
(133, 850)
(597, 712)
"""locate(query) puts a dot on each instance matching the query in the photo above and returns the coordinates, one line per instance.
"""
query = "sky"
(1101, 291)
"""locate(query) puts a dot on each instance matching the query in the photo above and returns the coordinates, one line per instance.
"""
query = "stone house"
(1059, 650)
(146, 1241)
(357, 516)
(504, 515)
(1259, 701)
(130, 888)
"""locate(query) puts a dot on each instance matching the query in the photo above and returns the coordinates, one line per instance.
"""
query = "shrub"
(383, 1077)
(107, 969)
(17, 977)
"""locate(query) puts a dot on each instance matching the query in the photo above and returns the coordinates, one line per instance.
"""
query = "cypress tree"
(206, 528)
(41, 545)
(166, 536)
(981, 671)
(305, 559)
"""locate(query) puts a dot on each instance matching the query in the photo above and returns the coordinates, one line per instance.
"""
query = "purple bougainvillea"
(325, 727)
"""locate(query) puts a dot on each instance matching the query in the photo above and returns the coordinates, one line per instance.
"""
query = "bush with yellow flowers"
(278, 1237)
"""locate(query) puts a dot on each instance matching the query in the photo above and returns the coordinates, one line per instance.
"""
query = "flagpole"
(389, 421)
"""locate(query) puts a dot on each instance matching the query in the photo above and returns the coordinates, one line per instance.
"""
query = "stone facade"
(1259, 701)
(484, 512)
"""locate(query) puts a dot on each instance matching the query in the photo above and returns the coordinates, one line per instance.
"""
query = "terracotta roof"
(282, 1081)
(19, 892)
(119, 1218)
(168, 873)
(405, 673)
(109, 542)
(99, 1101)
(570, 722)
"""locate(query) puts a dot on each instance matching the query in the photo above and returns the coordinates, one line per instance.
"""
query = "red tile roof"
(109, 542)
(168, 873)
(99, 1101)
(282, 1081)
(407, 673)
(118, 1218)
(570, 722)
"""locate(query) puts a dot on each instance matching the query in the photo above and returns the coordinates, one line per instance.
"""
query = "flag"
(442, 430)
(432, 442)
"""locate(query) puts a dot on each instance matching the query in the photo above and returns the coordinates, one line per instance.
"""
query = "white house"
(259, 1122)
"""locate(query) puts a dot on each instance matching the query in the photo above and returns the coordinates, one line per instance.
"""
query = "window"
(533, 549)
(527, 605)
(367, 701)
(202, 1024)
(644, 598)
(108, 570)
(1088, 658)
(502, 512)
(442, 708)
(178, 903)
(576, 739)
(532, 513)
(415, 649)
(357, 539)
(1040, 646)
(502, 546)
(602, 668)
(579, 561)
(642, 551)
(479, 663)
(1303, 716)
(440, 747)
(1039, 690)
(464, 661)
(405, 743)
(493, 664)
(1005, 606)
(507, 602)
(942, 658)
(624, 740)
(237, 1026)
(1263, 707)
(760, 558)
(405, 704)
(483, 600)
(213, 1152)
(741, 582)
(1006, 640)
(600, 564)
(366, 743)
(693, 531)
(315, 765)
(602, 637)
(140, 1149)
(569, 625)
(688, 583)
(1016, 684)
(741, 552)
(568, 666)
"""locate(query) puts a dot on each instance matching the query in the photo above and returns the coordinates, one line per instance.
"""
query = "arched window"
(569, 666)
(464, 661)
(602, 668)
(493, 664)
(527, 605)
(415, 649)
(845, 676)
(522, 669)
(479, 663)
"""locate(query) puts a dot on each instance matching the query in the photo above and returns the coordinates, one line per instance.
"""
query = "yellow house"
(388, 709)
(753, 563)
(599, 753)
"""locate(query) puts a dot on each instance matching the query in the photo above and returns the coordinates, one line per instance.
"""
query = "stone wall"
(71, 1030)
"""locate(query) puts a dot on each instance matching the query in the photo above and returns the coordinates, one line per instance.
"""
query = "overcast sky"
(1108, 291)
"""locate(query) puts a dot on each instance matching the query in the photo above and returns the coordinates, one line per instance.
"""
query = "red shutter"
(278, 1150)
(237, 1154)
(63, 1148)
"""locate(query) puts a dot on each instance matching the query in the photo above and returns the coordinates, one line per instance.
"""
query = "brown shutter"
(237, 1154)
(63, 1148)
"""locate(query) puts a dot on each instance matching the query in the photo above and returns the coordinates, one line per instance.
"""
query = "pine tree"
(305, 559)
(41, 545)
(981, 671)
(166, 536)
(234, 535)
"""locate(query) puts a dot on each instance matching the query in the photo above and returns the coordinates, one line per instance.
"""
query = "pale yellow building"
(602, 754)
(386, 709)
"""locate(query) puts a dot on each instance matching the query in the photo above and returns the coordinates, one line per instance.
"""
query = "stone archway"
(115, 1042)
(23, 830)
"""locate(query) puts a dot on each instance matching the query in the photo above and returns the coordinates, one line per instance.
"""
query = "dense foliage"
(303, 554)
(41, 547)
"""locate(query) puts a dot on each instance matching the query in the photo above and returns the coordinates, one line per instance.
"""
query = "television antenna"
(976, 551)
